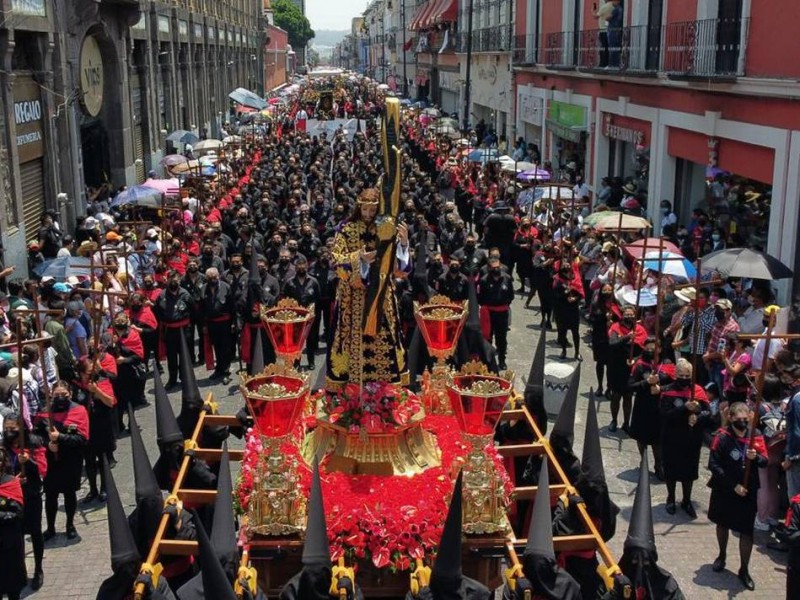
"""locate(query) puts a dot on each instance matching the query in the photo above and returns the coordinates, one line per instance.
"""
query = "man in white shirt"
(775, 344)
(667, 216)
(300, 119)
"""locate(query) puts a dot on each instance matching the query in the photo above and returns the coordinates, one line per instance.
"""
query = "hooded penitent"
(534, 388)
(145, 518)
(562, 436)
(547, 579)
(257, 361)
(125, 558)
(640, 557)
(592, 484)
(167, 429)
(191, 399)
(215, 583)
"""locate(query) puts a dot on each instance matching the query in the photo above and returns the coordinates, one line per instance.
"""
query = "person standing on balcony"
(614, 22)
(603, 13)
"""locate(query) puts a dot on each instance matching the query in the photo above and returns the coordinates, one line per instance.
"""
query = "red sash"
(483, 316)
(12, 490)
(162, 342)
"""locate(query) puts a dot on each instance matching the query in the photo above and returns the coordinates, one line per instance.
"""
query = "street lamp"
(468, 82)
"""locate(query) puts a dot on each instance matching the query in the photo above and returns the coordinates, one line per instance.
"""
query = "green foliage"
(289, 17)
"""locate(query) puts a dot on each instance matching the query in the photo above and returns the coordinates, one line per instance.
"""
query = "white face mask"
(651, 281)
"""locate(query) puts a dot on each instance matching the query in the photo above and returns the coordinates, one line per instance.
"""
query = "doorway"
(655, 11)
(94, 147)
(729, 28)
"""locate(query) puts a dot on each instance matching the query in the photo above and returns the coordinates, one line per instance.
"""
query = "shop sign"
(529, 107)
(28, 119)
(163, 24)
(567, 121)
(623, 134)
(92, 76)
(33, 8)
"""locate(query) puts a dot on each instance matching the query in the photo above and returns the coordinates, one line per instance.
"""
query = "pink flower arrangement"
(374, 407)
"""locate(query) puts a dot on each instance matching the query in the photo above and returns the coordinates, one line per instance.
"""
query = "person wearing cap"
(49, 236)
(714, 357)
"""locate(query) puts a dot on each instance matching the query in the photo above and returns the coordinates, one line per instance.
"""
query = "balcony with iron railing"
(710, 48)
(488, 39)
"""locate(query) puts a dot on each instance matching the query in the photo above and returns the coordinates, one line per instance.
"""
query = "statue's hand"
(402, 234)
(367, 257)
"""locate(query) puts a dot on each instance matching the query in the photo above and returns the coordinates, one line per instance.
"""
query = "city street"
(686, 548)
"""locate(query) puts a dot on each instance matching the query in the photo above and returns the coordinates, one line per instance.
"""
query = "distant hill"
(328, 37)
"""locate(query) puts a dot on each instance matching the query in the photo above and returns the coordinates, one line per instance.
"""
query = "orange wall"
(679, 11)
(551, 17)
(521, 20)
(772, 46)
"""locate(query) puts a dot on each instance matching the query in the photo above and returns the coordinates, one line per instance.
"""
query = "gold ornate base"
(407, 450)
(483, 506)
(434, 389)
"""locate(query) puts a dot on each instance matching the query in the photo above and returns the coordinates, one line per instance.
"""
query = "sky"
(333, 14)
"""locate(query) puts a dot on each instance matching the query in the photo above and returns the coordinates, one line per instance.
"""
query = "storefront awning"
(424, 12)
(573, 134)
(444, 11)
(412, 24)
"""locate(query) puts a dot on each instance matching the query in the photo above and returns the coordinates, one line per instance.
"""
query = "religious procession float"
(388, 456)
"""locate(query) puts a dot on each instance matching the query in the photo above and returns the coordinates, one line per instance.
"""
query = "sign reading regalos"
(92, 76)
(28, 118)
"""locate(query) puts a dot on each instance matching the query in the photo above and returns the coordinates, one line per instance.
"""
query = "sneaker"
(760, 525)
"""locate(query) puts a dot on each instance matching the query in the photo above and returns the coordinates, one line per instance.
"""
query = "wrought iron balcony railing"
(489, 39)
(707, 48)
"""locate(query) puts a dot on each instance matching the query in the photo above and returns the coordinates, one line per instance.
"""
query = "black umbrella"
(744, 262)
(183, 137)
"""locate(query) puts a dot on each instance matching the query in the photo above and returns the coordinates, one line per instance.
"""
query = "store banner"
(28, 118)
(567, 121)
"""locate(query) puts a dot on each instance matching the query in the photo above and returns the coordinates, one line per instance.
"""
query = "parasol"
(383, 86)
(518, 167)
(170, 160)
(64, 267)
(432, 112)
(141, 195)
(207, 146)
(611, 220)
(247, 98)
(483, 155)
(535, 174)
(646, 297)
(183, 136)
(192, 165)
(671, 263)
(635, 249)
(744, 262)
(168, 187)
(232, 139)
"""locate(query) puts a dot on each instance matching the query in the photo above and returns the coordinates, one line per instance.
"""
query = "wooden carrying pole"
(21, 389)
(659, 303)
(759, 394)
(204, 419)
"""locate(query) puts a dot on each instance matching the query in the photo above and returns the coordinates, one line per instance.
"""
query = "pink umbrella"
(170, 160)
(168, 187)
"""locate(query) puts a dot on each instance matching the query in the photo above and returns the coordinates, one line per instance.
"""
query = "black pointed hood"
(167, 429)
(191, 399)
(215, 582)
(540, 533)
(223, 530)
(564, 428)
(316, 550)
(143, 476)
(592, 460)
(536, 373)
(123, 545)
(257, 360)
(640, 532)
(446, 573)
(253, 276)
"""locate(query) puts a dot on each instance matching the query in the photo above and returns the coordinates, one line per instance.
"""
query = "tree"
(290, 18)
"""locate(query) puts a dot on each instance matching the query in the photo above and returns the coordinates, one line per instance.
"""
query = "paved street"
(74, 571)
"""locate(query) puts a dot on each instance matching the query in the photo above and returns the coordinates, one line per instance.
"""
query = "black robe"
(649, 581)
(120, 587)
(470, 589)
(13, 576)
(315, 583)
(680, 443)
(646, 417)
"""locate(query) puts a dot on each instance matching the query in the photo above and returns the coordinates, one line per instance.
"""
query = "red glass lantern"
(477, 401)
(441, 321)
(275, 399)
(288, 325)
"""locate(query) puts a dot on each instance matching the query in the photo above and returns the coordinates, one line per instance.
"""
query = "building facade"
(90, 89)
(670, 95)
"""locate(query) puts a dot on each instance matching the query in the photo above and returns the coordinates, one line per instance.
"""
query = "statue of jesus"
(367, 341)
